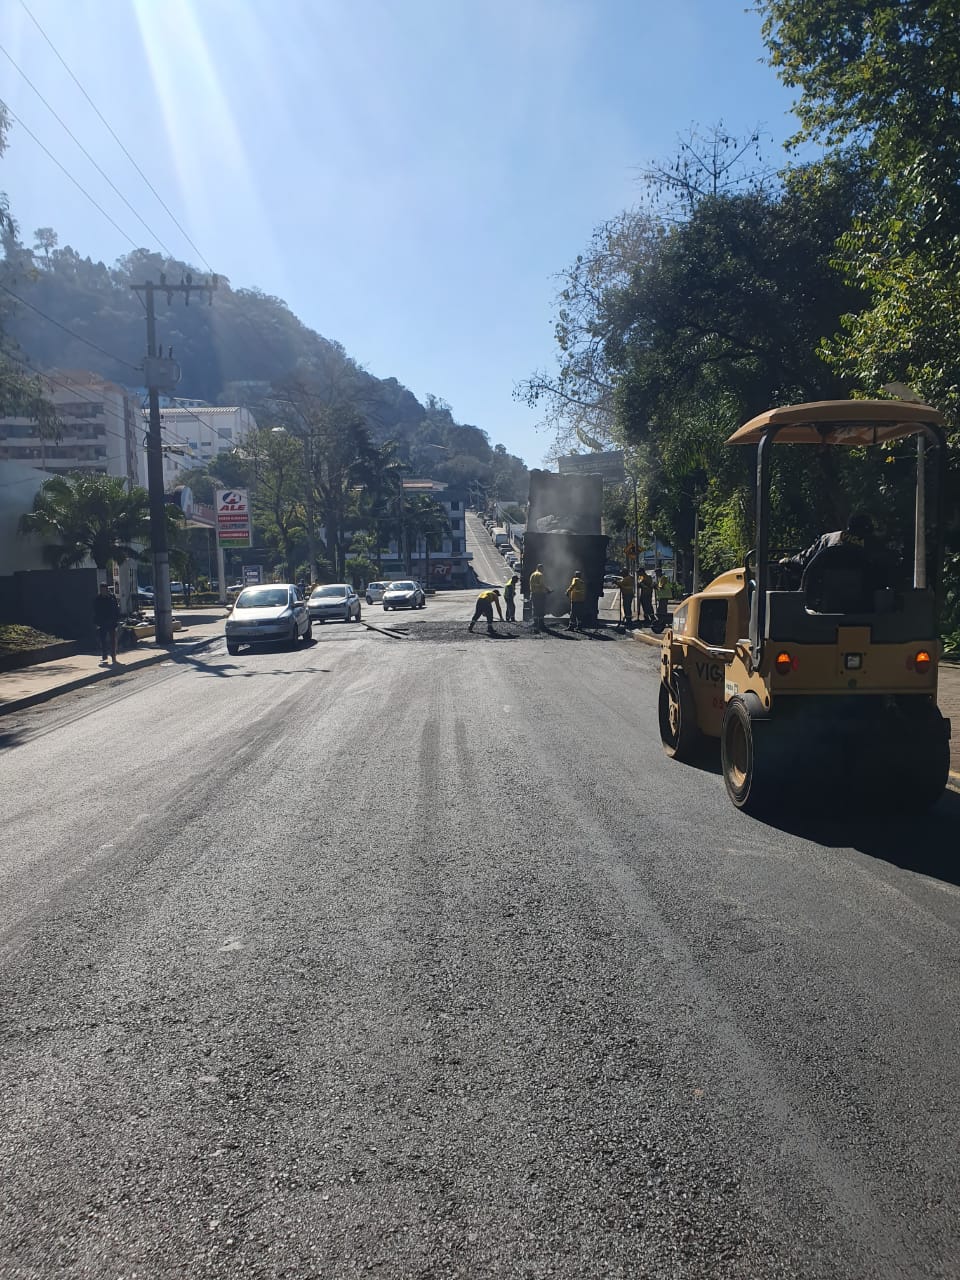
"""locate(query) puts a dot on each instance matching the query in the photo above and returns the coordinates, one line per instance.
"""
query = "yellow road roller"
(823, 682)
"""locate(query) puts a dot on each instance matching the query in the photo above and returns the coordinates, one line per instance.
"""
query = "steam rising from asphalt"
(565, 504)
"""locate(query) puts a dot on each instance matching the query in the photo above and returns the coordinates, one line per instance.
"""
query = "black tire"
(294, 636)
(385, 608)
(359, 613)
(751, 770)
(924, 768)
(308, 634)
(232, 648)
(677, 713)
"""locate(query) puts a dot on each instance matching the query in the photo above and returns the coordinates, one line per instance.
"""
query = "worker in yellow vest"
(645, 586)
(538, 598)
(626, 598)
(577, 595)
(484, 608)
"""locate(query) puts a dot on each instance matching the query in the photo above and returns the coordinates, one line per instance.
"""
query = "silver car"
(265, 615)
(336, 600)
(404, 595)
(375, 591)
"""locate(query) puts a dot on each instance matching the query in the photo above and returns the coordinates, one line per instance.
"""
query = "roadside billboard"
(233, 519)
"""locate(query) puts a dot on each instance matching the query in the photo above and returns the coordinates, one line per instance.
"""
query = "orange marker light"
(785, 664)
(921, 662)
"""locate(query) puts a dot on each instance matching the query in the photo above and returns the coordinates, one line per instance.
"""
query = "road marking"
(232, 943)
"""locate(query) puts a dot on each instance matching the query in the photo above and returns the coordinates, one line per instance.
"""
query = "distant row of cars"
(506, 549)
(278, 612)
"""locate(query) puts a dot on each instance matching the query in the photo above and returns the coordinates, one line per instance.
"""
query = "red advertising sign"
(233, 518)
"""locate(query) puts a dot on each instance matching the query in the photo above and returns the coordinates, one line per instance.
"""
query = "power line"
(267, 343)
(136, 368)
(99, 208)
(99, 170)
(107, 126)
(24, 363)
(249, 319)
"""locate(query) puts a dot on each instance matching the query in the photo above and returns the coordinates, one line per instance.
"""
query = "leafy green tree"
(88, 516)
(726, 321)
(425, 524)
(45, 238)
(276, 472)
(884, 78)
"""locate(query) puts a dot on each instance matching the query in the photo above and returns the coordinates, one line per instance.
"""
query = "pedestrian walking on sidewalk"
(484, 609)
(538, 598)
(106, 614)
(510, 598)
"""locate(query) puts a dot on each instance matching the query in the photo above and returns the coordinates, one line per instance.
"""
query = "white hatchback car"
(375, 591)
(265, 615)
(404, 595)
(336, 600)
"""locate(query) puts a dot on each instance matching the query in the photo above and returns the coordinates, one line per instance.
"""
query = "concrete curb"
(147, 660)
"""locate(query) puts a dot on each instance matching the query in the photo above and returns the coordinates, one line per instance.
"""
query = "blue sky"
(408, 175)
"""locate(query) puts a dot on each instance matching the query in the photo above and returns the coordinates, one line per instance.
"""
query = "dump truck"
(563, 533)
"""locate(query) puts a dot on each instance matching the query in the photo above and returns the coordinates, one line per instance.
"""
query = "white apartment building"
(100, 426)
(194, 436)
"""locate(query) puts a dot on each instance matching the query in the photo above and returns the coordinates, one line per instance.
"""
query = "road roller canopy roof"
(845, 422)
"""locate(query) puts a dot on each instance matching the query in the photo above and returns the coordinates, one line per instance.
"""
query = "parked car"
(612, 580)
(265, 615)
(333, 601)
(375, 591)
(404, 595)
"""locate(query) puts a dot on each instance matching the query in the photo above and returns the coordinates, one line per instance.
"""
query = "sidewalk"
(27, 686)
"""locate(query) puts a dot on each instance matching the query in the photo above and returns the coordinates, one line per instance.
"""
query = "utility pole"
(161, 375)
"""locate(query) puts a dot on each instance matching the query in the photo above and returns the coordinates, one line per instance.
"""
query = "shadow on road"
(928, 845)
(11, 738)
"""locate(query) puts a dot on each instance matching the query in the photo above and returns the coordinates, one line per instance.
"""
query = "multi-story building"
(449, 564)
(100, 428)
(194, 436)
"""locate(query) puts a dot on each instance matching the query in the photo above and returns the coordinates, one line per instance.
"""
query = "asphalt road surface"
(419, 959)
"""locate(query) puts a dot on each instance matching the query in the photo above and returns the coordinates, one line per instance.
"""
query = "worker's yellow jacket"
(577, 591)
(538, 586)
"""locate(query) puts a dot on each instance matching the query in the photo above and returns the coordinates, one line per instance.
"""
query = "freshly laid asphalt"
(421, 959)
(27, 686)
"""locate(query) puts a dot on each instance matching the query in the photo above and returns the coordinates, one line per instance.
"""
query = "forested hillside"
(69, 312)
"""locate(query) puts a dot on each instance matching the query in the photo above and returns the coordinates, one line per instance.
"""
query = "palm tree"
(381, 504)
(85, 515)
(425, 518)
